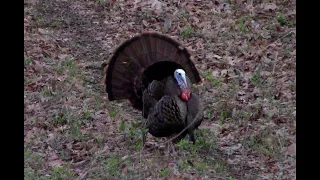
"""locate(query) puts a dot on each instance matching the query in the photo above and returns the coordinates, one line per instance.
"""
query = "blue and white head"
(180, 76)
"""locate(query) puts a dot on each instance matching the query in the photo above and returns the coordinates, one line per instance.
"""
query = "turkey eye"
(179, 74)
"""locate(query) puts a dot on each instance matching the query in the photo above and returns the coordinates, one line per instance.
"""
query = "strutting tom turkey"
(156, 74)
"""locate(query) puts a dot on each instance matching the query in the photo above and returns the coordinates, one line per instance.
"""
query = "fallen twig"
(265, 48)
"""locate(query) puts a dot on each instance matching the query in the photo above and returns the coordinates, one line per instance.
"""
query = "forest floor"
(244, 51)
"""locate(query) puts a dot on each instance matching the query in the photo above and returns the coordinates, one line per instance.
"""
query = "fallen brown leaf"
(269, 7)
(292, 149)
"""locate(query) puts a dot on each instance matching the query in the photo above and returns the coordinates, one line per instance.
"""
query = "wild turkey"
(156, 74)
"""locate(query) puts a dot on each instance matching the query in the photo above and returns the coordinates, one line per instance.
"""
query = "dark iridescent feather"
(141, 70)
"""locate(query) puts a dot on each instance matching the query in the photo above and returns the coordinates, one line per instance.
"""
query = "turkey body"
(156, 74)
(167, 114)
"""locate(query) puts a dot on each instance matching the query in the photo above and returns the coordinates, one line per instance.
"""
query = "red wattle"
(185, 95)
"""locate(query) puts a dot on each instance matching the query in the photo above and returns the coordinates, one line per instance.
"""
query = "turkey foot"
(170, 148)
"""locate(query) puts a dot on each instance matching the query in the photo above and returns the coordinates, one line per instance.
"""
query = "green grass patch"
(63, 172)
(27, 62)
(187, 32)
(256, 79)
(242, 25)
(282, 19)
(113, 114)
(214, 81)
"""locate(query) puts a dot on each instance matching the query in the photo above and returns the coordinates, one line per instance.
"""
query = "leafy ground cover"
(244, 50)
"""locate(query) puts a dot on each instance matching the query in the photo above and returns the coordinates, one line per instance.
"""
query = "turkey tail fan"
(141, 59)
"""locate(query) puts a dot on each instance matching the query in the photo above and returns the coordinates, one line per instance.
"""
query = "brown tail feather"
(125, 73)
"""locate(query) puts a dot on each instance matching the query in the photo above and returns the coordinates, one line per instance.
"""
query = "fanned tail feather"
(125, 75)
